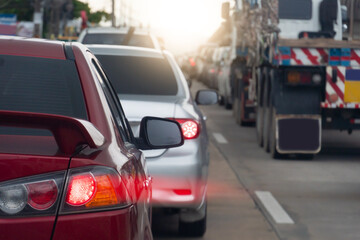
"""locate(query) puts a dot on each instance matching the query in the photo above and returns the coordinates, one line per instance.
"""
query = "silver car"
(128, 36)
(149, 82)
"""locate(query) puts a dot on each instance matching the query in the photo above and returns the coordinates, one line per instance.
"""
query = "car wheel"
(193, 229)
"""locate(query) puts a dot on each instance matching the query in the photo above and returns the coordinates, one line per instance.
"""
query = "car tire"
(195, 229)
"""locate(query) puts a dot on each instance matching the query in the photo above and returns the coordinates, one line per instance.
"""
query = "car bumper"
(105, 225)
(179, 176)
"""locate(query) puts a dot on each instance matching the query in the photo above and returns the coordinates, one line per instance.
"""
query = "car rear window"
(295, 9)
(118, 39)
(140, 75)
(40, 85)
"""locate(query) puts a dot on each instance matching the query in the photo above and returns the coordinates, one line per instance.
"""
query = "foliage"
(94, 17)
(25, 10)
(22, 8)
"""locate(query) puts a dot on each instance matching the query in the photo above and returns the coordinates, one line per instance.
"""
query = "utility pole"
(113, 19)
(37, 19)
(351, 30)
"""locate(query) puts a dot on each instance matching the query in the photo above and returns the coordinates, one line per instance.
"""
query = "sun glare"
(183, 24)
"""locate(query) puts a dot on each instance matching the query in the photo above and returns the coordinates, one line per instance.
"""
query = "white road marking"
(274, 208)
(220, 138)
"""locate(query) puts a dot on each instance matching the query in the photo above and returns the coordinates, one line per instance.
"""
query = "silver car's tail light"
(190, 128)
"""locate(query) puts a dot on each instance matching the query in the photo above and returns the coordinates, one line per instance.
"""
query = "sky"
(183, 24)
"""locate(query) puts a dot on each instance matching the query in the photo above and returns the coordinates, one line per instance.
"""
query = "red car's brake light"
(190, 128)
(86, 189)
(81, 189)
(94, 188)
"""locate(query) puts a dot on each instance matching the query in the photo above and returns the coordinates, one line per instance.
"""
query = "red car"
(70, 167)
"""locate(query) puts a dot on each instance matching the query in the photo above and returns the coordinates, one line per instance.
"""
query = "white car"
(150, 82)
(119, 36)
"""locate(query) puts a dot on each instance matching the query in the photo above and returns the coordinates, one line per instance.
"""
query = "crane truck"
(292, 67)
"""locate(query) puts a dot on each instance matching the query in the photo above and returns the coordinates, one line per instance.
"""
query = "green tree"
(22, 8)
(94, 17)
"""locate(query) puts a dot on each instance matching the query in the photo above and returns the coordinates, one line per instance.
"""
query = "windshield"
(140, 75)
(295, 9)
(118, 39)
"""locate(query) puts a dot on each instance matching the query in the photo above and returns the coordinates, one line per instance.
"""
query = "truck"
(293, 68)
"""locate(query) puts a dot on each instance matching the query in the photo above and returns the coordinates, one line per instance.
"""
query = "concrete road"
(252, 196)
(320, 197)
(232, 212)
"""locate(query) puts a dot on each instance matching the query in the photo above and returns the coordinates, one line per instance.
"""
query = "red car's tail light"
(42, 195)
(13, 199)
(81, 189)
(90, 189)
(31, 196)
(190, 128)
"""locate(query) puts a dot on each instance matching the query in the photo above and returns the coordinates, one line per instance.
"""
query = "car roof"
(32, 47)
(120, 50)
(116, 30)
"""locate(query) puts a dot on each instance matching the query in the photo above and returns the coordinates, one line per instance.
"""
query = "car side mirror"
(159, 133)
(206, 97)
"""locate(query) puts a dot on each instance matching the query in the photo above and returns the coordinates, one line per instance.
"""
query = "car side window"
(113, 103)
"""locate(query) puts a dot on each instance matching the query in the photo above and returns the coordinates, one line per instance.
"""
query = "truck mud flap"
(298, 134)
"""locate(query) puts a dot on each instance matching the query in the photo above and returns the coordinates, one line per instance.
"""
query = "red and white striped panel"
(355, 58)
(309, 56)
(336, 90)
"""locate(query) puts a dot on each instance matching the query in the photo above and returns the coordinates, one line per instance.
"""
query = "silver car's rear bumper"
(179, 176)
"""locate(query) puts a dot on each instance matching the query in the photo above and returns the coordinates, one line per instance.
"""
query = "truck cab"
(303, 16)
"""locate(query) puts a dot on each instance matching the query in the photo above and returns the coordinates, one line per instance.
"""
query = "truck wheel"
(259, 125)
(227, 104)
(240, 110)
(272, 141)
(221, 100)
(234, 107)
(267, 115)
